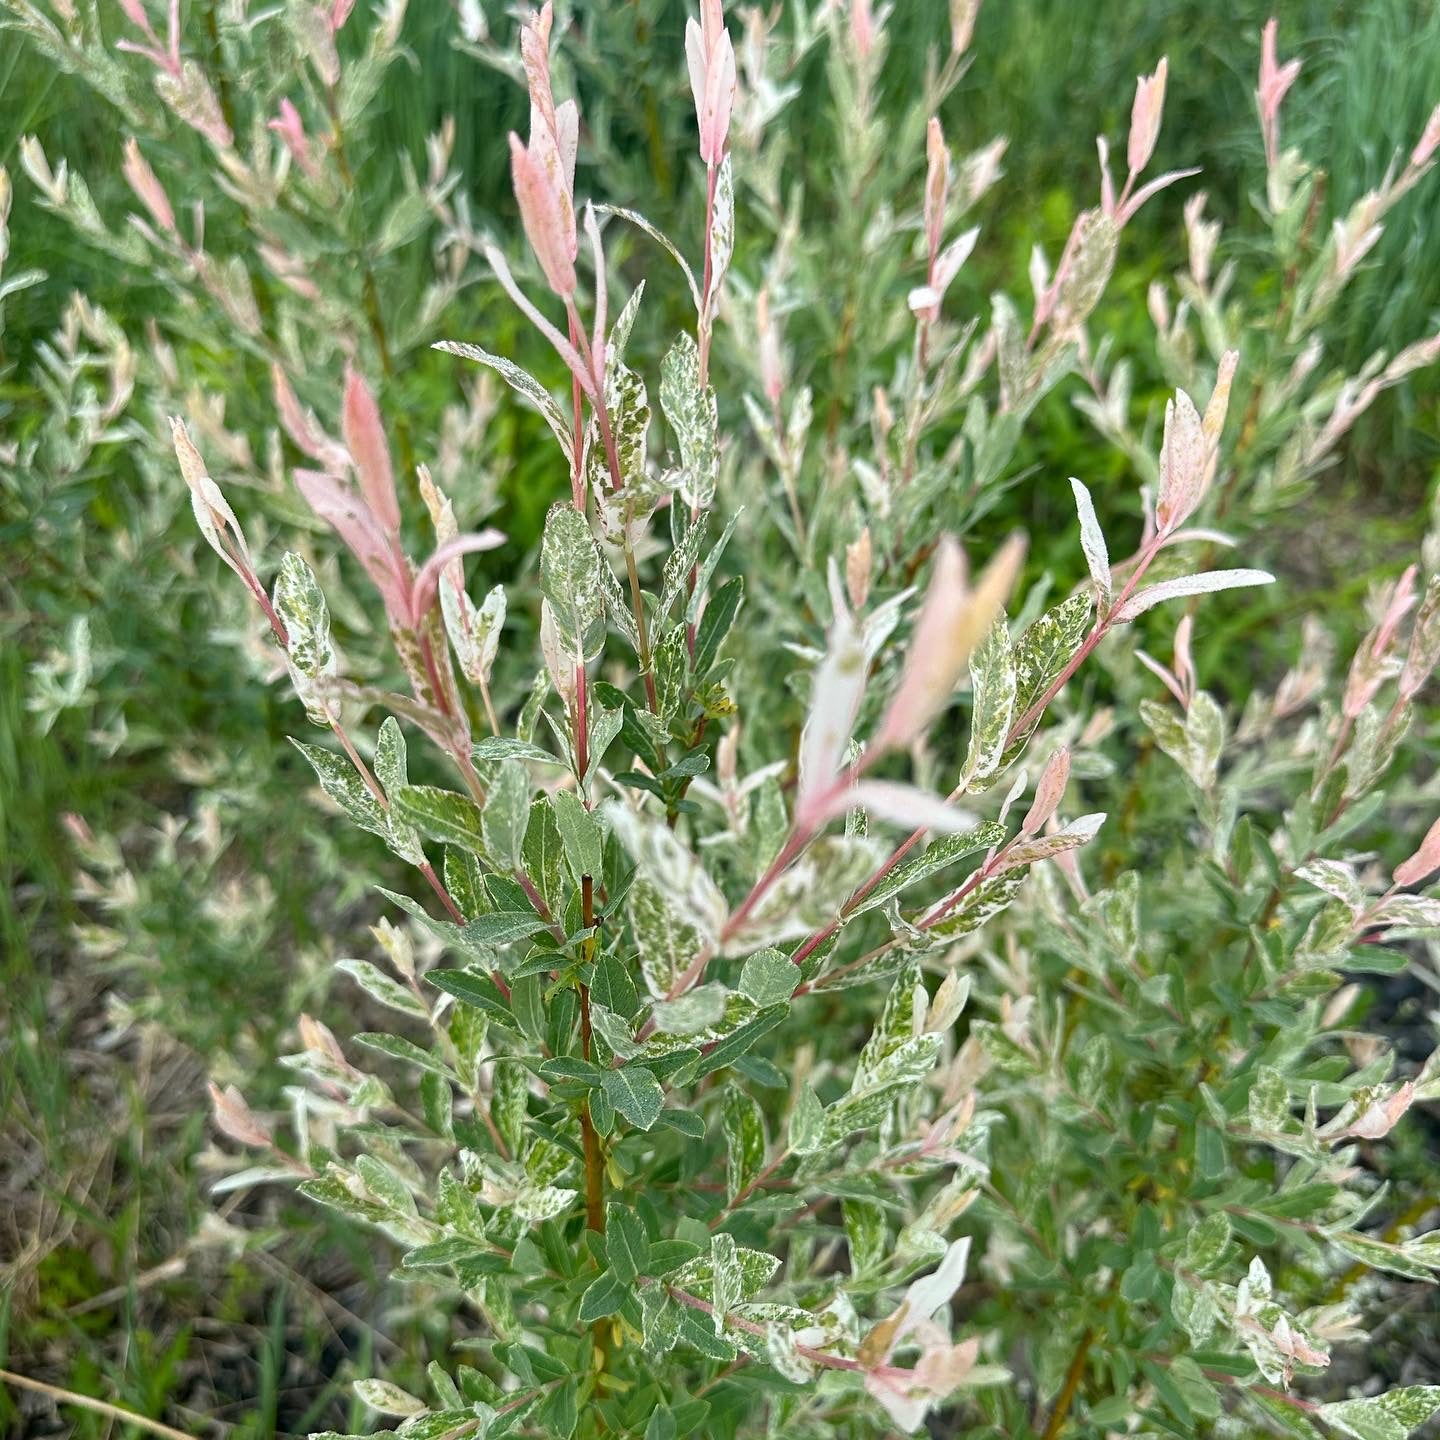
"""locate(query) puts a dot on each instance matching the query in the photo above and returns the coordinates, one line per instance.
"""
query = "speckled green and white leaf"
(1338, 880)
(524, 384)
(1005, 1052)
(712, 1022)
(1206, 1243)
(398, 1048)
(635, 1093)
(1044, 650)
(806, 1131)
(939, 854)
(1381, 1255)
(670, 868)
(616, 1031)
(744, 1127)
(570, 572)
(443, 815)
(693, 416)
(994, 683)
(659, 1320)
(619, 337)
(1045, 847)
(1092, 541)
(682, 559)
(983, 903)
(706, 568)
(769, 978)
(382, 987)
(722, 228)
(699, 1011)
(1196, 1310)
(641, 223)
(340, 782)
(697, 1276)
(474, 634)
(667, 943)
(1391, 1416)
(1185, 585)
(629, 407)
(388, 1399)
(1414, 912)
(300, 603)
(1269, 1102)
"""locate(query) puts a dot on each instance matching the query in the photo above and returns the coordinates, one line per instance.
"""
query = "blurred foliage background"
(178, 922)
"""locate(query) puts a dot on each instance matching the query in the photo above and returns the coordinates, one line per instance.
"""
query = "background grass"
(109, 1282)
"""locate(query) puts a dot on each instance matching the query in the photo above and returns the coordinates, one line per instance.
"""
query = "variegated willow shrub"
(721, 1050)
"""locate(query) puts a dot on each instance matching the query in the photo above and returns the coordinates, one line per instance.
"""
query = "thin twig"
(89, 1402)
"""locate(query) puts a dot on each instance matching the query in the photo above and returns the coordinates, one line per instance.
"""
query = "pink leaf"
(953, 620)
(546, 213)
(344, 511)
(1145, 117)
(905, 805)
(365, 437)
(426, 586)
(1424, 862)
(1049, 792)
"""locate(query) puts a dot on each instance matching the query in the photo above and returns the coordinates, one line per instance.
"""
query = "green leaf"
(626, 1244)
(543, 855)
(715, 623)
(503, 927)
(579, 833)
(635, 1093)
(612, 987)
(769, 978)
(442, 815)
(474, 989)
(605, 1295)
(506, 816)
(669, 1255)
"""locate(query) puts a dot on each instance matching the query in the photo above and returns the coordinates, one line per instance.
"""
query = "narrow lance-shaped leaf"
(1205, 584)
(1092, 541)
(690, 408)
(953, 621)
